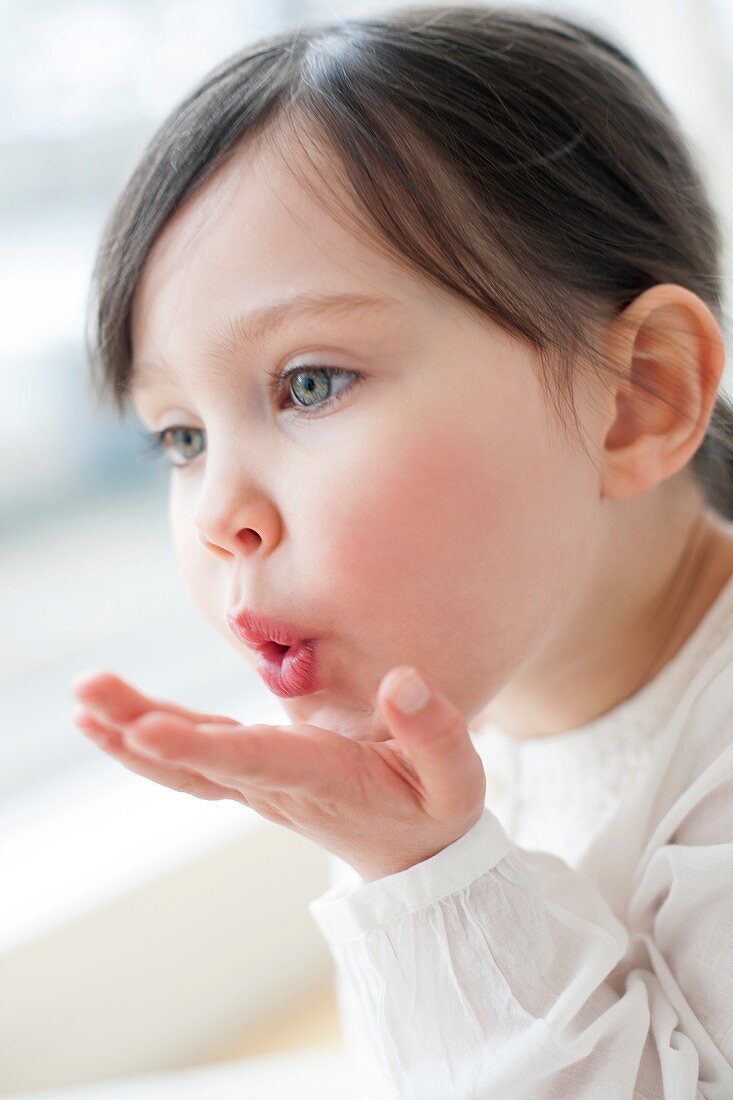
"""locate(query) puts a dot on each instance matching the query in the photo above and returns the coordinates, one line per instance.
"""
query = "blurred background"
(143, 931)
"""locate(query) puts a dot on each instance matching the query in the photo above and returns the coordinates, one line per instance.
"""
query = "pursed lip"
(288, 672)
(259, 631)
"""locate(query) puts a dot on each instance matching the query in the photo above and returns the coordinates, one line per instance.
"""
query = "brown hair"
(519, 159)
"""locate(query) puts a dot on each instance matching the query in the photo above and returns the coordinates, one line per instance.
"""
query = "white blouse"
(577, 941)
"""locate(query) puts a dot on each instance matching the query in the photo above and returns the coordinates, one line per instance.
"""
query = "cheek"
(463, 537)
(397, 530)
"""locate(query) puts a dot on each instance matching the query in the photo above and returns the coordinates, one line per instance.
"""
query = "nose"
(233, 520)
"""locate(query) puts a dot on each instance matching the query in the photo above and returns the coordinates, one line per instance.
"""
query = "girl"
(424, 310)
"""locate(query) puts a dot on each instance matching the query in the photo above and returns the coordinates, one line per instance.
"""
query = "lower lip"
(291, 672)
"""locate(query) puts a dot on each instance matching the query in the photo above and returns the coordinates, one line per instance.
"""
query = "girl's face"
(430, 516)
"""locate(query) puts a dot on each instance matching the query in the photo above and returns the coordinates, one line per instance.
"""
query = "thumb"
(435, 736)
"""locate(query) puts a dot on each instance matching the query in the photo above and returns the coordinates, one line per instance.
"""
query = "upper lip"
(258, 631)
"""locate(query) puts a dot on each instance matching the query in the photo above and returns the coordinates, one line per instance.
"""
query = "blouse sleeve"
(490, 972)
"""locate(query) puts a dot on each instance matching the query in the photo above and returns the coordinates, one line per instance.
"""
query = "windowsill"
(133, 910)
(79, 840)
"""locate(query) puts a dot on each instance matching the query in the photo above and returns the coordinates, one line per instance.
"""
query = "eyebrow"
(250, 328)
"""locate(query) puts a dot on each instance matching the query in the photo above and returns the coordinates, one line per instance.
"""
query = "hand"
(382, 806)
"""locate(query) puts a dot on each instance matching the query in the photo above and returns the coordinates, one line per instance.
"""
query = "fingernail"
(411, 693)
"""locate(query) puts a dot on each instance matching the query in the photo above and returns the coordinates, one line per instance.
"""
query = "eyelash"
(154, 442)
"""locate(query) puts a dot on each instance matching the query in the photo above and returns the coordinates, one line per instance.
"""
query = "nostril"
(249, 537)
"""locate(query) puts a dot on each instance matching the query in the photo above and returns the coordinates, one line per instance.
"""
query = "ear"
(669, 353)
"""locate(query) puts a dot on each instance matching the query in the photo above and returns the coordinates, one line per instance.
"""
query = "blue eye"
(311, 387)
(155, 442)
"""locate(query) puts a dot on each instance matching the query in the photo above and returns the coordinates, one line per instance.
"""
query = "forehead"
(254, 234)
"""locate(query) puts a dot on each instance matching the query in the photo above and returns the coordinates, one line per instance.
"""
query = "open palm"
(380, 805)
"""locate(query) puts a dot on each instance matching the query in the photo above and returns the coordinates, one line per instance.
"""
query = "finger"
(435, 736)
(111, 741)
(116, 701)
(270, 757)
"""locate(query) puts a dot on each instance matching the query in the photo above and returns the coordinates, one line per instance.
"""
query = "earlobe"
(668, 355)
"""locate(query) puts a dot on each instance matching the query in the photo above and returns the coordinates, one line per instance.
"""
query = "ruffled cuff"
(353, 907)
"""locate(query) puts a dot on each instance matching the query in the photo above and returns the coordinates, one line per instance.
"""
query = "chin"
(364, 726)
(366, 735)
(354, 730)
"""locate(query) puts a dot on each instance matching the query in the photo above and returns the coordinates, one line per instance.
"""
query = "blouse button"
(496, 787)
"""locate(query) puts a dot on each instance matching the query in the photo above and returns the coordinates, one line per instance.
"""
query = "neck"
(647, 597)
